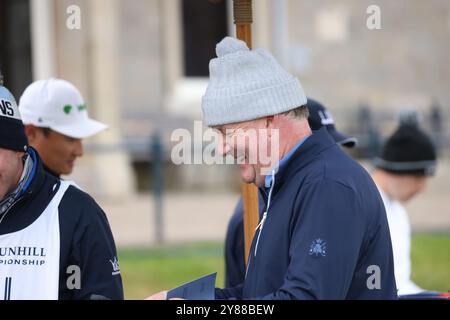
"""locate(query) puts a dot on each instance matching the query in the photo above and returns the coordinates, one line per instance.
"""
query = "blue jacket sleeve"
(99, 263)
(234, 293)
(235, 248)
(92, 248)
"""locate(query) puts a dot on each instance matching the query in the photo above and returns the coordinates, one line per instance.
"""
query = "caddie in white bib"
(29, 258)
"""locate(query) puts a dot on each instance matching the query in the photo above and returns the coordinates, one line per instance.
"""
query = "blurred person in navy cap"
(406, 162)
(319, 117)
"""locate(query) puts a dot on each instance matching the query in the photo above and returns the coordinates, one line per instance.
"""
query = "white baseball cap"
(58, 105)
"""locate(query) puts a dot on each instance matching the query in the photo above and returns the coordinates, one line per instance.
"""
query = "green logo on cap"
(67, 108)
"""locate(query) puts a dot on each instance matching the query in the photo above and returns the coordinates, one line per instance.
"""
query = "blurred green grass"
(430, 261)
(147, 271)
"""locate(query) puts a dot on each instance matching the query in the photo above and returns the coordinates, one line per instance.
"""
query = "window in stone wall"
(204, 25)
(15, 48)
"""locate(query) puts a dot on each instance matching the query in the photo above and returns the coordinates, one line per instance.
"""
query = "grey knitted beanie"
(246, 85)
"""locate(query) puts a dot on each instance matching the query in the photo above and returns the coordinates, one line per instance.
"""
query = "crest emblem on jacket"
(318, 248)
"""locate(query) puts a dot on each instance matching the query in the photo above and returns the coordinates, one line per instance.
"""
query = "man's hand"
(162, 295)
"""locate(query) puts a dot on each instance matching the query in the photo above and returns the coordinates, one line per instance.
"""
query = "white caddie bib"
(29, 258)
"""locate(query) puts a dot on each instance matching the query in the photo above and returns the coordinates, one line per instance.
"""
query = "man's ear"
(31, 132)
(21, 154)
(269, 121)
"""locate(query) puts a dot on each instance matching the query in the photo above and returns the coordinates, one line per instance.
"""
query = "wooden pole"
(243, 18)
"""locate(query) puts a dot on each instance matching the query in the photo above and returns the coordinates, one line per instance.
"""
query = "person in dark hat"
(319, 117)
(55, 241)
(407, 160)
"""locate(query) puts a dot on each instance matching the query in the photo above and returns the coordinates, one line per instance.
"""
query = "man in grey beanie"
(323, 233)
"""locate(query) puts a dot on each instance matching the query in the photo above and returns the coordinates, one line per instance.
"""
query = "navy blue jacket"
(326, 231)
(85, 235)
(235, 246)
